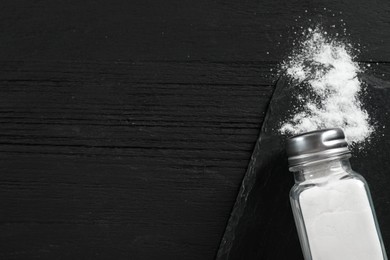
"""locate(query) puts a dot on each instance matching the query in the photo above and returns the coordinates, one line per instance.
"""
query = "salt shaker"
(331, 204)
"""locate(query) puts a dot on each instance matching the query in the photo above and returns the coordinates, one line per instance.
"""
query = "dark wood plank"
(224, 30)
(262, 225)
(117, 160)
(126, 126)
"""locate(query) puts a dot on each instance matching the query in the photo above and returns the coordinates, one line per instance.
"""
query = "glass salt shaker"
(331, 204)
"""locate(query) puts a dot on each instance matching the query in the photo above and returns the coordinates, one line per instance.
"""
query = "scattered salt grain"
(328, 73)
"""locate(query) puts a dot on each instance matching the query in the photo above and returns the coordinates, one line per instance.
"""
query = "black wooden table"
(126, 127)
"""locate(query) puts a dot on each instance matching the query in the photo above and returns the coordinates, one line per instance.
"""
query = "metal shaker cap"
(316, 146)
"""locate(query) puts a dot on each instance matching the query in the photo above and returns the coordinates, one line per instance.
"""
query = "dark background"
(126, 127)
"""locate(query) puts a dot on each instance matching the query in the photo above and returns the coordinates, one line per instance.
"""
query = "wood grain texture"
(124, 160)
(126, 127)
(223, 30)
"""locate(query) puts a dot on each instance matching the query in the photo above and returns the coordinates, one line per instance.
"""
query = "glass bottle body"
(334, 213)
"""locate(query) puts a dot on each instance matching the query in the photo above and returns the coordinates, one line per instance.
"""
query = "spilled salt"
(327, 72)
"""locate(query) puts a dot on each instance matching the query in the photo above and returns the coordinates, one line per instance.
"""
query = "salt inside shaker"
(331, 204)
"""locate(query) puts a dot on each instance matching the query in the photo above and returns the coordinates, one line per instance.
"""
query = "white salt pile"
(327, 72)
